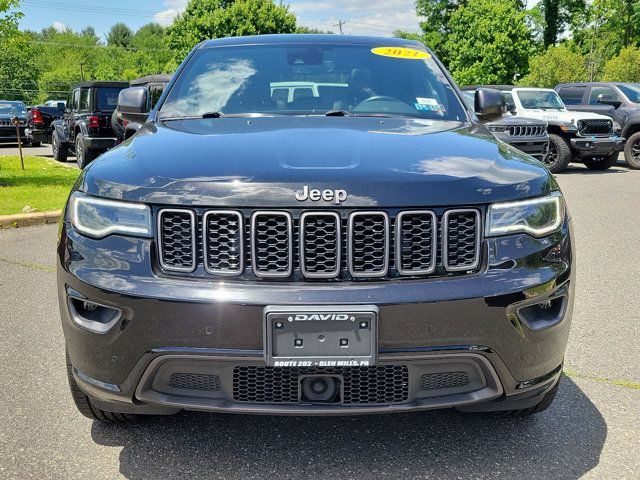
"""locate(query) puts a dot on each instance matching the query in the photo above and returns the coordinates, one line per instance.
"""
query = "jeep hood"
(565, 116)
(262, 162)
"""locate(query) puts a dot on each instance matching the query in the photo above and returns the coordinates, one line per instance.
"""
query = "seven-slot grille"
(595, 127)
(319, 244)
(527, 130)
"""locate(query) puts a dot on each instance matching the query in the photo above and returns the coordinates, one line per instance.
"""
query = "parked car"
(8, 111)
(370, 253)
(620, 101)
(40, 123)
(85, 129)
(573, 136)
(56, 103)
(528, 135)
(127, 124)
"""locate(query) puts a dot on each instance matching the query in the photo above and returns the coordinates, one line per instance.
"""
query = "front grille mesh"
(319, 245)
(177, 235)
(195, 381)
(368, 235)
(223, 241)
(527, 130)
(443, 380)
(272, 244)
(462, 236)
(379, 384)
(595, 127)
(416, 241)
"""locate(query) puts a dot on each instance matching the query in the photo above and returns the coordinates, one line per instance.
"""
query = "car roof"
(586, 84)
(312, 39)
(12, 101)
(152, 79)
(102, 83)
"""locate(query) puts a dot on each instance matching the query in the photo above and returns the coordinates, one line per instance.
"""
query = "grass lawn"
(43, 185)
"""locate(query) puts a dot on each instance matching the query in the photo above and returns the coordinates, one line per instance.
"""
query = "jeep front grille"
(527, 131)
(319, 244)
(379, 384)
(177, 240)
(595, 127)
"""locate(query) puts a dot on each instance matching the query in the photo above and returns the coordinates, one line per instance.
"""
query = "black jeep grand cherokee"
(314, 225)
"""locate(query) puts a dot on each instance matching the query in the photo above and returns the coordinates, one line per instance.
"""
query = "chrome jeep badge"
(335, 196)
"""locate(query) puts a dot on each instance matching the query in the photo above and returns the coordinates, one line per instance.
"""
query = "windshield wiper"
(338, 113)
(213, 115)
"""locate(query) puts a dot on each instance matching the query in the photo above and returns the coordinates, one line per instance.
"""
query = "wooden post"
(16, 122)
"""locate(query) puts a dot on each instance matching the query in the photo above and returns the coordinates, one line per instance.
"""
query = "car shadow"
(565, 441)
(578, 168)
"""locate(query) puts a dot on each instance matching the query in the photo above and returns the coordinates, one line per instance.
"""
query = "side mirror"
(61, 106)
(133, 100)
(489, 103)
(608, 100)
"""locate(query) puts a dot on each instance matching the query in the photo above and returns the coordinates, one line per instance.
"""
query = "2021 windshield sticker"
(400, 52)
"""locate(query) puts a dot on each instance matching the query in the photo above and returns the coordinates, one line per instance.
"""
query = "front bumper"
(532, 146)
(596, 146)
(483, 324)
(8, 134)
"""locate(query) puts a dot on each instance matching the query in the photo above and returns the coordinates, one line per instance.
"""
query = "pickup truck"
(40, 122)
(85, 128)
(620, 101)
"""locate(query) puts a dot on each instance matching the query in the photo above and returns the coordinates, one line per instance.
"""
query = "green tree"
(557, 16)
(119, 36)
(555, 65)
(489, 42)
(204, 19)
(624, 67)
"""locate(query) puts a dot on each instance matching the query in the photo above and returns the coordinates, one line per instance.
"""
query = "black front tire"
(59, 148)
(87, 408)
(602, 163)
(632, 151)
(84, 156)
(559, 155)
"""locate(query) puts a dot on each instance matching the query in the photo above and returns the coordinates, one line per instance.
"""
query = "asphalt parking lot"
(591, 430)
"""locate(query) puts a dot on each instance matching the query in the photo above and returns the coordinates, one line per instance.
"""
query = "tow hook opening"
(93, 316)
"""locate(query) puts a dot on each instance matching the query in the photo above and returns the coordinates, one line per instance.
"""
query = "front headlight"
(536, 216)
(98, 217)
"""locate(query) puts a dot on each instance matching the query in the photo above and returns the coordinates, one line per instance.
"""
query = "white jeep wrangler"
(573, 136)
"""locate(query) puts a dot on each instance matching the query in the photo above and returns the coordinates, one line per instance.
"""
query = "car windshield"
(632, 92)
(312, 79)
(108, 98)
(540, 99)
(13, 109)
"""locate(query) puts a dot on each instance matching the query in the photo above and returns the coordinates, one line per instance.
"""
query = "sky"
(362, 17)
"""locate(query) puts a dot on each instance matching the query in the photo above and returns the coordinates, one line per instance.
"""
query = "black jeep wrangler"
(620, 101)
(85, 128)
(314, 224)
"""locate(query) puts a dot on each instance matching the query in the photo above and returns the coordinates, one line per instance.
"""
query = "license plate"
(321, 336)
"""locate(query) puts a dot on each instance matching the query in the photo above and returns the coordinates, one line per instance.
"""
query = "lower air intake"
(195, 381)
(444, 380)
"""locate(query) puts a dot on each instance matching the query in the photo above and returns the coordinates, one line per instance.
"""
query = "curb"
(30, 219)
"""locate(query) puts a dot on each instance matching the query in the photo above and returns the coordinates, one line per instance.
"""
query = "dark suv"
(85, 128)
(364, 247)
(620, 101)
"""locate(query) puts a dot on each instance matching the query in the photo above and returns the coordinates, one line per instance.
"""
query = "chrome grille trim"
(398, 242)
(445, 243)
(254, 244)
(205, 242)
(173, 268)
(338, 246)
(350, 245)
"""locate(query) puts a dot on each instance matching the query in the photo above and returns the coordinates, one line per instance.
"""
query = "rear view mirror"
(489, 103)
(609, 100)
(133, 100)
